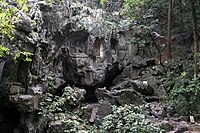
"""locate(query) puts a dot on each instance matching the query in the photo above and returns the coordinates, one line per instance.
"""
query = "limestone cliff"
(75, 44)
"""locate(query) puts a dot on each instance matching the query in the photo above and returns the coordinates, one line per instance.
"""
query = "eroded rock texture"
(75, 45)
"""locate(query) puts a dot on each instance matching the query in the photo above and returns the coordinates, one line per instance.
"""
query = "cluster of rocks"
(77, 45)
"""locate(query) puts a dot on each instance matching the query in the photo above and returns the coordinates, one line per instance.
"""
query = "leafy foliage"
(54, 1)
(4, 51)
(9, 14)
(129, 119)
(133, 8)
(59, 108)
(103, 1)
(141, 36)
(187, 95)
(50, 83)
(25, 56)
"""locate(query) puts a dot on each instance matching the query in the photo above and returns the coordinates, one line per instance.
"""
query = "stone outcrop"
(76, 45)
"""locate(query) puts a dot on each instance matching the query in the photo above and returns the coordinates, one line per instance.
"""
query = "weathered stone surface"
(96, 112)
(166, 125)
(120, 97)
(104, 109)
(37, 90)
(90, 112)
(8, 75)
(128, 97)
(142, 87)
(57, 126)
(183, 126)
(16, 89)
(74, 44)
(27, 103)
(14, 98)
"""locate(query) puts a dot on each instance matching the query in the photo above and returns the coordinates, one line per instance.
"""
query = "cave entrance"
(90, 96)
(10, 119)
(97, 45)
(114, 48)
(95, 48)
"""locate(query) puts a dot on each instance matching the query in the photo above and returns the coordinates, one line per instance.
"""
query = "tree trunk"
(196, 39)
(169, 30)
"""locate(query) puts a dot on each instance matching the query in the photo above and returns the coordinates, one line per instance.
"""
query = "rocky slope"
(82, 46)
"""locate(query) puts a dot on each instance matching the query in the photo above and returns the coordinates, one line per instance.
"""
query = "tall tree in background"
(196, 39)
(169, 30)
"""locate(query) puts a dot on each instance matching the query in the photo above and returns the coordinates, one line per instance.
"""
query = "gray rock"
(57, 126)
(167, 125)
(121, 97)
(128, 96)
(2, 63)
(90, 112)
(37, 90)
(16, 90)
(142, 87)
(27, 103)
(104, 109)
(182, 127)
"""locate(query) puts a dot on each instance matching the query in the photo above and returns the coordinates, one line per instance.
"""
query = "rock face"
(75, 45)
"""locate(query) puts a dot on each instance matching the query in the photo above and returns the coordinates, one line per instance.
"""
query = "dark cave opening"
(9, 119)
(112, 74)
(90, 96)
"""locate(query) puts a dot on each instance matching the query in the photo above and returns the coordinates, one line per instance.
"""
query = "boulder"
(27, 103)
(57, 126)
(119, 97)
(96, 112)
(142, 87)
(104, 109)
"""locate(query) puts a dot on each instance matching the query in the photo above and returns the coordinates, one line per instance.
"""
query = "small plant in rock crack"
(25, 56)
(50, 83)
(4, 51)
(129, 119)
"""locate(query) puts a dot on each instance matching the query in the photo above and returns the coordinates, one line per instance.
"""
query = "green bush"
(186, 97)
(61, 109)
(129, 119)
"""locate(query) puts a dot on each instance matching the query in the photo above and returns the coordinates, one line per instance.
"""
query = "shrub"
(61, 109)
(129, 119)
(186, 97)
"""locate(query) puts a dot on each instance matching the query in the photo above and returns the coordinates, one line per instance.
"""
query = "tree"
(169, 30)
(196, 39)
(132, 8)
